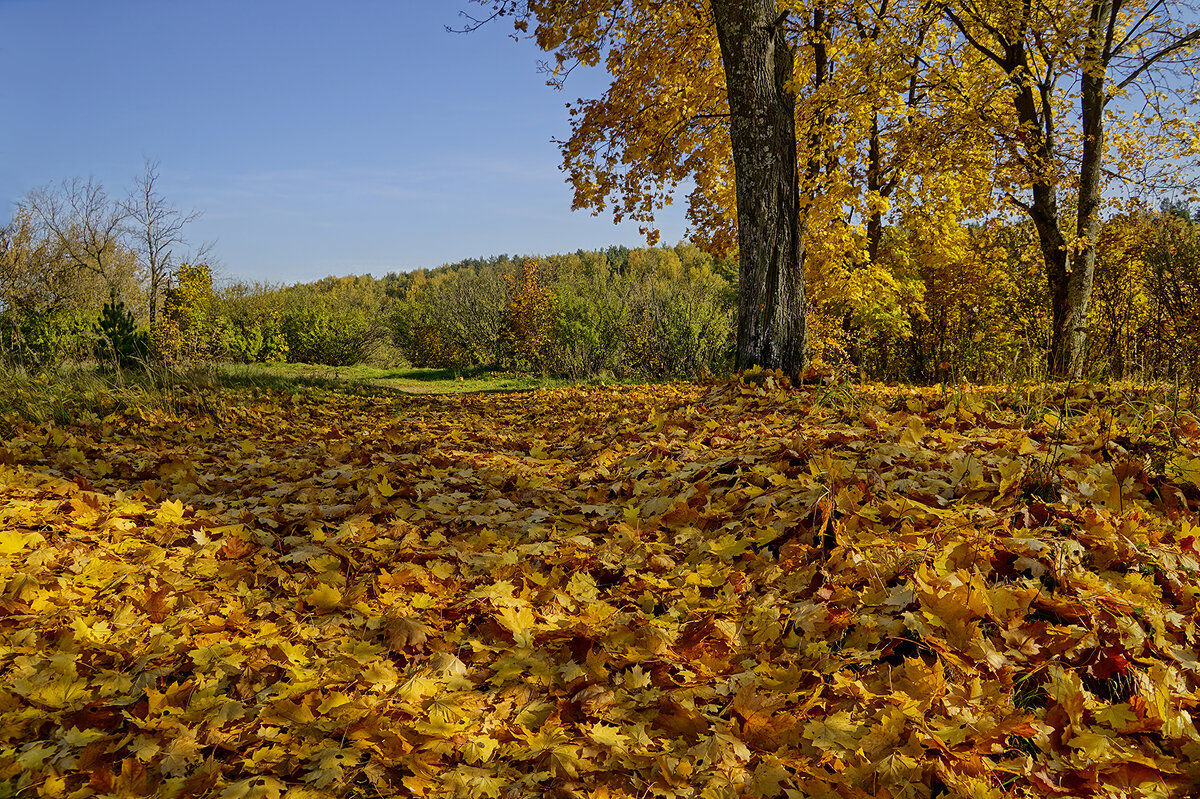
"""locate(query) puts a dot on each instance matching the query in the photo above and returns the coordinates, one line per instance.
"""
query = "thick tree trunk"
(1069, 277)
(772, 324)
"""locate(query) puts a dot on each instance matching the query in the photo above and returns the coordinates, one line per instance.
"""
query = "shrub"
(119, 341)
(321, 333)
(251, 340)
(645, 313)
(529, 324)
(40, 340)
(191, 327)
(457, 317)
(590, 317)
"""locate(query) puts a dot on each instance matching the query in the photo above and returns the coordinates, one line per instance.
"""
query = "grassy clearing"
(78, 392)
(71, 391)
(407, 379)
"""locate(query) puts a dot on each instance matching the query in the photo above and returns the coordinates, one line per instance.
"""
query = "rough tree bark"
(772, 324)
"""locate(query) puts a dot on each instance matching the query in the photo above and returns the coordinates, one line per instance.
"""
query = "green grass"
(70, 392)
(406, 379)
(74, 391)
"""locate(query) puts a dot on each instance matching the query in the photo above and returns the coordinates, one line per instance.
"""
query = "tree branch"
(1149, 61)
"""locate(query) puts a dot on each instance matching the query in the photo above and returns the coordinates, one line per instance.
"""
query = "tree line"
(938, 302)
(79, 268)
(85, 276)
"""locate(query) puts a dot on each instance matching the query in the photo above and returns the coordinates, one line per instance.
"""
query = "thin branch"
(1183, 41)
(982, 48)
(681, 123)
(1134, 30)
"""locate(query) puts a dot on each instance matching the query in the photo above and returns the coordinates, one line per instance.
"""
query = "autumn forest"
(885, 483)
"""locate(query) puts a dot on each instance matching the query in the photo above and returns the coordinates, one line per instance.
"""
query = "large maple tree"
(734, 64)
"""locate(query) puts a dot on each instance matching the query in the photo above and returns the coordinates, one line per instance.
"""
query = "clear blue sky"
(316, 136)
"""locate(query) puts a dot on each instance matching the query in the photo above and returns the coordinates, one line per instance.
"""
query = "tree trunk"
(1068, 276)
(1070, 342)
(1044, 213)
(874, 187)
(772, 324)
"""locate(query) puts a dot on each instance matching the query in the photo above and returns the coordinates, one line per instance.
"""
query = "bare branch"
(157, 229)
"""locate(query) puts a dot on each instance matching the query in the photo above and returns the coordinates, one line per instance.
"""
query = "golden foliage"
(529, 328)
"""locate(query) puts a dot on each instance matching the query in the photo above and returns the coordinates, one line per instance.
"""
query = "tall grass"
(73, 392)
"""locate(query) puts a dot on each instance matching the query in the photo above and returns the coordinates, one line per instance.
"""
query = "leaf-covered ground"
(729, 590)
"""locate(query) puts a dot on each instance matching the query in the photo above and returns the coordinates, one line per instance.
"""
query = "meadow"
(306, 586)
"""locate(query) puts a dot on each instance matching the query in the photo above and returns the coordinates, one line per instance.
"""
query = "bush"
(40, 340)
(256, 340)
(456, 317)
(643, 313)
(321, 333)
(695, 324)
(119, 341)
(591, 315)
(191, 327)
(528, 333)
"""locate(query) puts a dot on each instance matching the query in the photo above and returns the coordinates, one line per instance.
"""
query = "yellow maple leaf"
(169, 512)
(607, 735)
(1117, 717)
(837, 731)
(913, 433)
(63, 692)
(13, 541)
(1095, 746)
(256, 787)
(582, 587)
(380, 675)
(324, 597)
(1186, 469)
(520, 622)
(53, 787)
(480, 749)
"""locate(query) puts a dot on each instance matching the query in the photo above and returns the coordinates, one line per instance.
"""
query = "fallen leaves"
(673, 591)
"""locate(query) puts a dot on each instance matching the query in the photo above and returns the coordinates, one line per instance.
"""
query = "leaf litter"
(737, 589)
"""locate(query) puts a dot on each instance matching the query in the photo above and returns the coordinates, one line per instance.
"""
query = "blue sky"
(317, 137)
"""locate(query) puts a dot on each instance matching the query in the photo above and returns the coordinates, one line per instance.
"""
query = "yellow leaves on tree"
(529, 329)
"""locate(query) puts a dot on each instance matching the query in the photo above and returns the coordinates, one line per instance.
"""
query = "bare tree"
(156, 228)
(82, 223)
